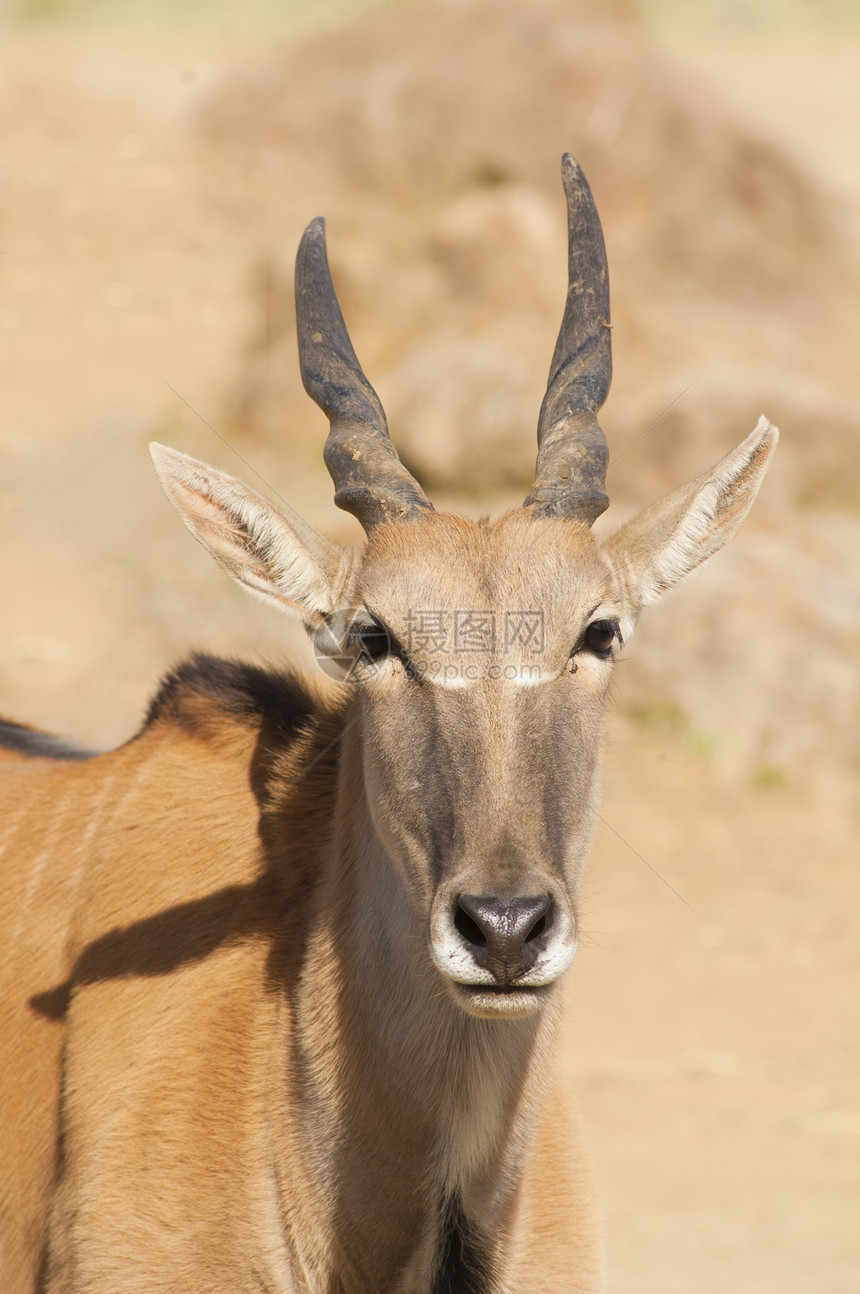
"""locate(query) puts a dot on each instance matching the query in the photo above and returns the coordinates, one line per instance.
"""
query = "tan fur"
(230, 1062)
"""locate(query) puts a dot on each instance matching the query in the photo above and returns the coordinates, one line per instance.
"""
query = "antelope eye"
(600, 635)
(373, 641)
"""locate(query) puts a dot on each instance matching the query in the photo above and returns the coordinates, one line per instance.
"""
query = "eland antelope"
(280, 997)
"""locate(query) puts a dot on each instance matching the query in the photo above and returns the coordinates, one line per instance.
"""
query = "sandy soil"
(713, 1031)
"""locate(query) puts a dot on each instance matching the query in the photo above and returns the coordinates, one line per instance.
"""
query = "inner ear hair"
(287, 565)
(669, 540)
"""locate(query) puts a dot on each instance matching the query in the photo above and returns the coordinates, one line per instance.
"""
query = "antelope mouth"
(494, 1000)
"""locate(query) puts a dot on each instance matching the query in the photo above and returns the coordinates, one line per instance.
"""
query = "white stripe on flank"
(37, 867)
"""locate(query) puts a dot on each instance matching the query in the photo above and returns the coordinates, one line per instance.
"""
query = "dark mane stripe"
(40, 745)
(204, 686)
(464, 1267)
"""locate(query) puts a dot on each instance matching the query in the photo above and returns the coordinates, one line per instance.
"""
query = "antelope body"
(281, 975)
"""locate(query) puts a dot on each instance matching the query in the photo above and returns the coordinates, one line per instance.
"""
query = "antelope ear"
(286, 563)
(666, 542)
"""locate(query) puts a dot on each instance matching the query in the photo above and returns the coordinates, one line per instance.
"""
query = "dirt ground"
(713, 1036)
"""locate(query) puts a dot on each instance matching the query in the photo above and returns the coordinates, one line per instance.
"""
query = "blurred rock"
(431, 137)
(774, 629)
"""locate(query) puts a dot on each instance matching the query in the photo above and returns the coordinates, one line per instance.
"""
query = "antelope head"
(479, 653)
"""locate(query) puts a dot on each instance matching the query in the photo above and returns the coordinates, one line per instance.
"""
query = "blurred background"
(159, 161)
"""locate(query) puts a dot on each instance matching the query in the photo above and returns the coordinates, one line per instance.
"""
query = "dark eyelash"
(374, 641)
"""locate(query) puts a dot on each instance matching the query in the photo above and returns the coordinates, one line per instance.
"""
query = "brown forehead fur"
(517, 563)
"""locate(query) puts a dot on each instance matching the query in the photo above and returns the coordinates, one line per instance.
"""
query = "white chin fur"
(455, 961)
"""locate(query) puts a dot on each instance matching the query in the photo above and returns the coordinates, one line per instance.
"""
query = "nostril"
(537, 929)
(469, 928)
